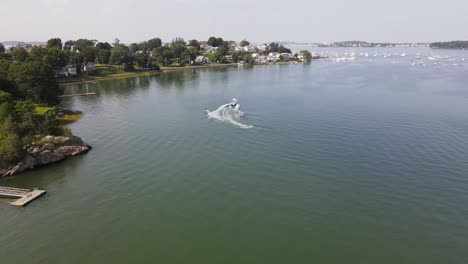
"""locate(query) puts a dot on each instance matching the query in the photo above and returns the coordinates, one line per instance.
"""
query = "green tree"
(54, 43)
(11, 149)
(215, 42)
(68, 45)
(194, 43)
(36, 82)
(38, 53)
(2, 48)
(223, 48)
(19, 54)
(154, 43)
(81, 44)
(244, 43)
(120, 55)
(307, 55)
(56, 57)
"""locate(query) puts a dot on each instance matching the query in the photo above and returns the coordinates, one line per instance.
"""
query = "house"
(201, 60)
(69, 70)
(229, 58)
(274, 54)
(212, 50)
(286, 56)
(261, 59)
(89, 67)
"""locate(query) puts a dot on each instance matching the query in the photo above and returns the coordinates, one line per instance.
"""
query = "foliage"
(215, 42)
(244, 43)
(306, 54)
(450, 45)
(35, 81)
(2, 48)
(11, 148)
(19, 54)
(54, 43)
(275, 47)
(194, 43)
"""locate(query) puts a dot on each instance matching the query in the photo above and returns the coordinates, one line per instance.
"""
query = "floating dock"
(82, 94)
(24, 196)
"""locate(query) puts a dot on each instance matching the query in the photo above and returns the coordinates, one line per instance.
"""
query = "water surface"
(353, 162)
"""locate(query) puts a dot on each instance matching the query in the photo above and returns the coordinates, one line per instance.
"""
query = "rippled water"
(352, 162)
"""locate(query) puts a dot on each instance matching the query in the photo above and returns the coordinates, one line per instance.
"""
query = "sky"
(254, 20)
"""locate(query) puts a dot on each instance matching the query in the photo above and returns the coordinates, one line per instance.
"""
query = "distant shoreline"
(142, 73)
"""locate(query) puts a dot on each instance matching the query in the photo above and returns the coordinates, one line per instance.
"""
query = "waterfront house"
(67, 71)
(201, 60)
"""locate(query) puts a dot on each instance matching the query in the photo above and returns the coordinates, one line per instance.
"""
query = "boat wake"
(225, 113)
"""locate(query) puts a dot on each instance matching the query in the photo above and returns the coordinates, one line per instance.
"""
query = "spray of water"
(226, 114)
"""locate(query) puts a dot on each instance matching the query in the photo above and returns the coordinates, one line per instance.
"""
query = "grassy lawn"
(69, 116)
(40, 110)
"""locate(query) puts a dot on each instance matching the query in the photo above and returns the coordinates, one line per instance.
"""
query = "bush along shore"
(32, 131)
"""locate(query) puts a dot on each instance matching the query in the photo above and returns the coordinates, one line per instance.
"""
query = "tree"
(36, 82)
(2, 48)
(89, 54)
(69, 44)
(307, 55)
(54, 43)
(81, 44)
(133, 48)
(19, 54)
(223, 48)
(56, 57)
(103, 56)
(244, 43)
(154, 43)
(37, 53)
(212, 42)
(120, 56)
(11, 148)
(103, 45)
(194, 43)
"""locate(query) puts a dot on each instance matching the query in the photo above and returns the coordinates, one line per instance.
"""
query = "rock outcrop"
(52, 149)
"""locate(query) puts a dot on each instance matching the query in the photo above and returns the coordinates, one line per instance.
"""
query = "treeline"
(150, 54)
(450, 45)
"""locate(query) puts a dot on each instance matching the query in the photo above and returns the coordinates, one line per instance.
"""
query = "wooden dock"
(25, 196)
(82, 94)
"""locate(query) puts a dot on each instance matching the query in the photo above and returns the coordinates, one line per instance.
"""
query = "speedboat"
(234, 104)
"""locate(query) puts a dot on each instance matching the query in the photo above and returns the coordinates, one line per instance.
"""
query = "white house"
(201, 60)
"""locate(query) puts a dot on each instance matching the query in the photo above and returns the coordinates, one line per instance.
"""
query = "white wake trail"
(226, 114)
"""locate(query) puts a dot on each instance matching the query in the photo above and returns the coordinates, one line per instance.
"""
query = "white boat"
(403, 54)
(234, 104)
(431, 58)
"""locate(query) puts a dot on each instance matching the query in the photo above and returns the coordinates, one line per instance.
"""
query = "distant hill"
(15, 42)
(459, 44)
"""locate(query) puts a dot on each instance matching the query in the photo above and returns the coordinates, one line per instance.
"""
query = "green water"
(362, 162)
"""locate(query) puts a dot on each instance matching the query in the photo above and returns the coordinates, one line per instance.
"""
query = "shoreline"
(94, 79)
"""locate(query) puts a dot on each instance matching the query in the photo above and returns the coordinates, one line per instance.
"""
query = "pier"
(82, 94)
(24, 196)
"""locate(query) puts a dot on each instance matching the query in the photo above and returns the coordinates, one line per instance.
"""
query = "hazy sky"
(254, 20)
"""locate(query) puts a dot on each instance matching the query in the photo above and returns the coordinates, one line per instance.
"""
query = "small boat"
(234, 104)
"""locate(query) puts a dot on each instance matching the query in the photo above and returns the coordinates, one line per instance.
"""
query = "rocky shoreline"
(50, 149)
